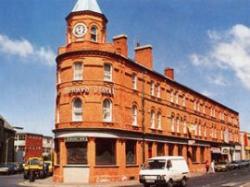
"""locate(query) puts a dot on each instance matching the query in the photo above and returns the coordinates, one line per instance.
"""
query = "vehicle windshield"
(34, 162)
(156, 164)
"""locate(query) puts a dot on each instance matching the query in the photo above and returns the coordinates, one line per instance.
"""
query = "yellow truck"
(35, 168)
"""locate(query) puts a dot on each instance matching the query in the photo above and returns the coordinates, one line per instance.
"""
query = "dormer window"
(93, 34)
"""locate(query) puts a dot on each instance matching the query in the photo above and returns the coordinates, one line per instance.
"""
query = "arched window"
(93, 33)
(107, 110)
(77, 110)
(152, 119)
(77, 71)
(159, 120)
(134, 115)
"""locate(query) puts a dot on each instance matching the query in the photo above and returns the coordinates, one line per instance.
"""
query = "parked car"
(233, 165)
(19, 167)
(221, 166)
(7, 168)
(165, 170)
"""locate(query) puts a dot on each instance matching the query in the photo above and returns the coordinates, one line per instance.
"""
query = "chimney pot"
(169, 73)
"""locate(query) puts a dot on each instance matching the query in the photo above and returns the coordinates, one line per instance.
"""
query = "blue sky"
(207, 43)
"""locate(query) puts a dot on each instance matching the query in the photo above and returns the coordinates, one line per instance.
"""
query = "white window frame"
(172, 96)
(107, 110)
(77, 73)
(152, 119)
(152, 88)
(159, 121)
(184, 127)
(184, 101)
(134, 115)
(177, 98)
(177, 125)
(77, 113)
(172, 123)
(134, 81)
(158, 90)
(107, 74)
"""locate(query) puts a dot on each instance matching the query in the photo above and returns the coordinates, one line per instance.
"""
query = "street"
(10, 180)
(234, 178)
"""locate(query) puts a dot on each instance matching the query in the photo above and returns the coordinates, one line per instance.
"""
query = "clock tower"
(86, 23)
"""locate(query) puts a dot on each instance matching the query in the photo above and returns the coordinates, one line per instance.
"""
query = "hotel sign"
(91, 90)
(76, 139)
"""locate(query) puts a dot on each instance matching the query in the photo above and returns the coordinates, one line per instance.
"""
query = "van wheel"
(184, 182)
(170, 183)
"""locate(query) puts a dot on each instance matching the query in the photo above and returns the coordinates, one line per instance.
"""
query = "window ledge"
(76, 166)
(106, 166)
(131, 165)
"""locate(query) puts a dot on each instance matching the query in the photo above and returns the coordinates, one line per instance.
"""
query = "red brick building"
(114, 112)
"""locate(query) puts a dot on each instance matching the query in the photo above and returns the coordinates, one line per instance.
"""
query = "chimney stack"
(121, 45)
(144, 56)
(169, 73)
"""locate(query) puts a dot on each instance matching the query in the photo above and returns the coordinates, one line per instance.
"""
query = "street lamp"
(7, 148)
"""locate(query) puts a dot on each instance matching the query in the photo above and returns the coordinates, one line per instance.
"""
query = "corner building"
(113, 112)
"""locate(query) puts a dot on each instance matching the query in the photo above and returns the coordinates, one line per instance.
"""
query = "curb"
(115, 184)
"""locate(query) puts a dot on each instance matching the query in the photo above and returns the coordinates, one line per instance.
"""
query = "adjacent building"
(7, 136)
(32, 145)
(245, 145)
(114, 112)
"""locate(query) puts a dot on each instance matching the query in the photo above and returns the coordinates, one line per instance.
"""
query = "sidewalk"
(49, 183)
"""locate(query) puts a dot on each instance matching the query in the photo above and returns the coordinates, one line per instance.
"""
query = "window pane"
(107, 108)
(131, 152)
(160, 149)
(78, 71)
(107, 72)
(105, 152)
(77, 110)
(76, 153)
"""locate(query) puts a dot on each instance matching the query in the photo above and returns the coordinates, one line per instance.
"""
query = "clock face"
(79, 30)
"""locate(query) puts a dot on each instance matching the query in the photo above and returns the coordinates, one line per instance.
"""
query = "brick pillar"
(63, 156)
(121, 154)
(184, 152)
(91, 158)
(139, 153)
(146, 151)
(166, 149)
(175, 149)
(154, 149)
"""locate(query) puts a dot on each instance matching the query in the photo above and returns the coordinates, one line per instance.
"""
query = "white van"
(164, 170)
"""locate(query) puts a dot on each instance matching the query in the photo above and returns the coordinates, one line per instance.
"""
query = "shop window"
(130, 152)
(180, 148)
(107, 110)
(77, 110)
(107, 72)
(170, 149)
(202, 156)
(76, 152)
(77, 71)
(160, 149)
(134, 81)
(134, 113)
(93, 33)
(150, 145)
(105, 152)
(194, 152)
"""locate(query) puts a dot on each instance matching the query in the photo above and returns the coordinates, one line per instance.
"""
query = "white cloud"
(229, 50)
(207, 93)
(218, 80)
(26, 51)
